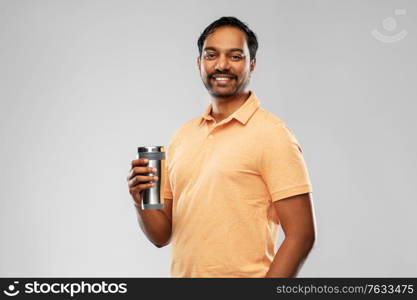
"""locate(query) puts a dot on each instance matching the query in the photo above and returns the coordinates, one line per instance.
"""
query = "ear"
(252, 64)
(198, 63)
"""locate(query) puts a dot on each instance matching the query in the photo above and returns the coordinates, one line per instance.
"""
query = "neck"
(224, 107)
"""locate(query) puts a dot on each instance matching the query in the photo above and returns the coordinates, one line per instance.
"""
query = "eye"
(210, 55)
(236, 57)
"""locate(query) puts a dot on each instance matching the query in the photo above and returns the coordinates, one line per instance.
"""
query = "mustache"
(222, 73)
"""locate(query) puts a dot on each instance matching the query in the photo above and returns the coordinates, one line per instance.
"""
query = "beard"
(225, 90)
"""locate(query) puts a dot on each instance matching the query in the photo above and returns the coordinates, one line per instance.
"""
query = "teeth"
(222, 78)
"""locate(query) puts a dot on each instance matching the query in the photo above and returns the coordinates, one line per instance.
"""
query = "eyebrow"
(228, 50)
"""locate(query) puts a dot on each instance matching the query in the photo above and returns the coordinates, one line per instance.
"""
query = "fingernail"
(145, 160)
(154, 169)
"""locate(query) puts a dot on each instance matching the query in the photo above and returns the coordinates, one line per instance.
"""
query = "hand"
(139, 179)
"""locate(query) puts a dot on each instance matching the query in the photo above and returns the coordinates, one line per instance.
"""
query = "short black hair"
(251, 38)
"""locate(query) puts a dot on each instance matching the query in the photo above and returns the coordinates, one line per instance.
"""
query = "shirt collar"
(242, 114)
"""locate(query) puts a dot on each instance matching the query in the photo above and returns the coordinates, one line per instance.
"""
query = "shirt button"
(210, 136)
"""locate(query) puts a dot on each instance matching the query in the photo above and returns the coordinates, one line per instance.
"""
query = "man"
(233, 174)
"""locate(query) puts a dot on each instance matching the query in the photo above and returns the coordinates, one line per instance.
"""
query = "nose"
(222, 63)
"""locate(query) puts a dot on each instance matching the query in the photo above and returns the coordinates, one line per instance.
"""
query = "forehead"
(226, 37)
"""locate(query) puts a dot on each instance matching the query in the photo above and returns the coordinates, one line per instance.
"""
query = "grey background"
(83, 83)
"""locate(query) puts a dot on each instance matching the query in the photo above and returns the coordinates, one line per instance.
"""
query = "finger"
(141, 179)
(139, 162)
(140, 170)
(140, 187)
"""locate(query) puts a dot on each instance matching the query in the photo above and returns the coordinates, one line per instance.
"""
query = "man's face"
(224, 64)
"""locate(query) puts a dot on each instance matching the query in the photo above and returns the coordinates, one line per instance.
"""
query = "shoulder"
(271, 124)
(274, 130)
(183, 130)
(187, 126)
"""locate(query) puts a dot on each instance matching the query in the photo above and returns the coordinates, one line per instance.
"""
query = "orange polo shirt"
(223, 179)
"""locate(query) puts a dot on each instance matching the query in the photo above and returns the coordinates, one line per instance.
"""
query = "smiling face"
(224, 64)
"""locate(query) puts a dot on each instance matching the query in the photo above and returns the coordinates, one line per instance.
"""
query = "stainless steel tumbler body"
(152, 197)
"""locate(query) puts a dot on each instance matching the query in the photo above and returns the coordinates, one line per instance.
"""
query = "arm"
(297, 220)
(156, 224)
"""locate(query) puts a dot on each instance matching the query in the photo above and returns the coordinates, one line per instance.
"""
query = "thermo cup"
(152, 197)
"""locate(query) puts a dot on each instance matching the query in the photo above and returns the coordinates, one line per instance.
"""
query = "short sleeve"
(282, 165)
(167, 190)
(167, 186)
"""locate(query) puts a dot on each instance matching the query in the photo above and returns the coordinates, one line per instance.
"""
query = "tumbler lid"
(151, 149)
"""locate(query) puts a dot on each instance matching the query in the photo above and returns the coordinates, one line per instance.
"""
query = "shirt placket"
(212, 126)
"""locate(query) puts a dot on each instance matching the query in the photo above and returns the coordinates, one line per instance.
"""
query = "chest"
(225, 154)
